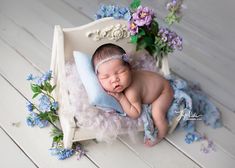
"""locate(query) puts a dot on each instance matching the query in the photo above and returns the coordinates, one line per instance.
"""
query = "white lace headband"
(122, 57)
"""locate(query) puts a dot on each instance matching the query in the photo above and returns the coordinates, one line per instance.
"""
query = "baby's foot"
(150, 143)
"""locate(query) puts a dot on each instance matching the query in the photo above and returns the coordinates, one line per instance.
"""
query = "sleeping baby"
(132, 88)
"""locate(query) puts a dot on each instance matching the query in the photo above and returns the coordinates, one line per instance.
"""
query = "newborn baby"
(132, 88)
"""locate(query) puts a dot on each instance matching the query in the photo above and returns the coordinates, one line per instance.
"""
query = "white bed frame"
(86, 39)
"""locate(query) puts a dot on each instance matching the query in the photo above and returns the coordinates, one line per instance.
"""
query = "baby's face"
(114, 76)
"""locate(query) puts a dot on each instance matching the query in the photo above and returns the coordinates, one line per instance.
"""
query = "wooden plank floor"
(26, 33)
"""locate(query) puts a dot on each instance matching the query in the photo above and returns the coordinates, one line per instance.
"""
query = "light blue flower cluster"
(45, 103)
(113, 11)
(34, 119)
(39, 80)
(62, 153)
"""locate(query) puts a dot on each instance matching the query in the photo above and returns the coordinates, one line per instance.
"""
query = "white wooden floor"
(26, 31)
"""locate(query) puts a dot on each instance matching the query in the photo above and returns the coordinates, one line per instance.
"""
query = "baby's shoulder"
(144, 75)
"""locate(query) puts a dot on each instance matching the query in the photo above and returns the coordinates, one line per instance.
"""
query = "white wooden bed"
(86, 39)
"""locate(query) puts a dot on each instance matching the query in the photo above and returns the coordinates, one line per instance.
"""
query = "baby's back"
(149, 84)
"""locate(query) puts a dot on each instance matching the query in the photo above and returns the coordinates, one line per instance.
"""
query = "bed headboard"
(88, 37)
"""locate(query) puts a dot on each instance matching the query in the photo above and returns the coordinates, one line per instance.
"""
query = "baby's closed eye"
(103, 77)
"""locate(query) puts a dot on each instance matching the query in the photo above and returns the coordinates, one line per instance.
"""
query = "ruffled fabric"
(194, 105)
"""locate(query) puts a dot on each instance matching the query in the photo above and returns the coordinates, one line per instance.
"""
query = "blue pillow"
(96, 94)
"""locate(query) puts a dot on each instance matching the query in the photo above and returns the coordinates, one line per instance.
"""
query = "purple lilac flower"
(44, 105)
(171, 38)
(143, 16)
(29, 106)
(132, 27)
(79, 152)
(174, 5)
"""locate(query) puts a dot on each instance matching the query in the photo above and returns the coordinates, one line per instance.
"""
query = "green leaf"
(141, 32)
(35, 95)
(52, 88)
(35, 88)
(154, 27)
(134, 39)
(135, 4)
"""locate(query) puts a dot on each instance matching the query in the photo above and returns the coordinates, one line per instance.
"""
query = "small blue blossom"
(38, 81)
(40, 123)
(30, 122)
(192, 136)
(29, 106)
(55, 105)
(30, 77)
(44, 105)
(46, 76)
(34, 119)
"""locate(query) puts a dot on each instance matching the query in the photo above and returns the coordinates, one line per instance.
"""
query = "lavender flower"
(132, 27)
(171, 5)
(171, 38)
(143, 16)
(44, 105)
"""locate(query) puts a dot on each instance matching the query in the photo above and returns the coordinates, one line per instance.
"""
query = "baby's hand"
(118, 96)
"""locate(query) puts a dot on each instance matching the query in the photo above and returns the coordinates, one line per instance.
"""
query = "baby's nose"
(115, 78)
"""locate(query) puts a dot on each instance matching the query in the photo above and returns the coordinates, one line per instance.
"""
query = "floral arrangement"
(144, 28)
(45, 113)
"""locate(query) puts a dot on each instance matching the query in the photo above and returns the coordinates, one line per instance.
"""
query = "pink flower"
(143, 16)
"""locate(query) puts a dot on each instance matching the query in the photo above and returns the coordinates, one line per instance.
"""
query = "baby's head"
(111, 66)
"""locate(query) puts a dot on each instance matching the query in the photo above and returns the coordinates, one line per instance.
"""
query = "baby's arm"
(131, 107)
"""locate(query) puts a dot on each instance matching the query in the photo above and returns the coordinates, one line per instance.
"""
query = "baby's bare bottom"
(159, 109)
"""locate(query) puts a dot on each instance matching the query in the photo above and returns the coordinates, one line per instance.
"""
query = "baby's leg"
(159, 109)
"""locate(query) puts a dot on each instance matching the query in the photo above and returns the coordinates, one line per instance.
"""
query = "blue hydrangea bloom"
(44, 105)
